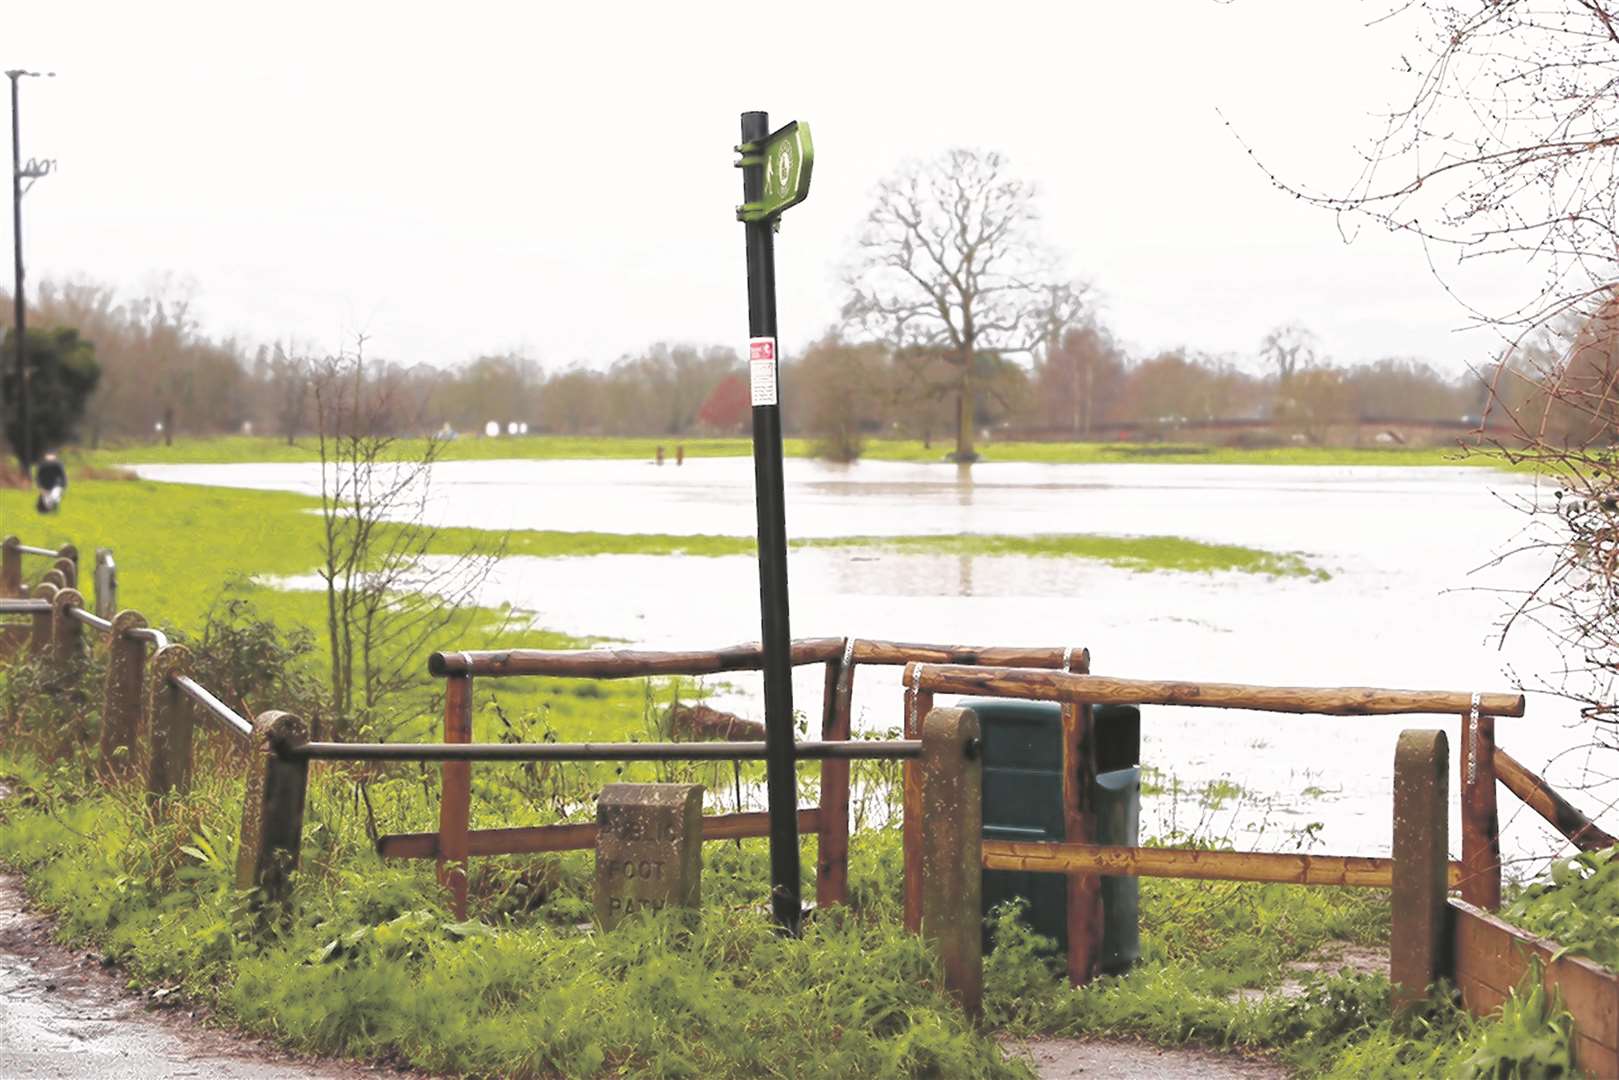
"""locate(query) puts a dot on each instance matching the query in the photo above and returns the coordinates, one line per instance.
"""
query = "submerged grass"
(175, 543)
(1137, 553)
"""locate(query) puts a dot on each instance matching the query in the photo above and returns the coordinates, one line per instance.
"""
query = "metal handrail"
(90, 618)
(24, 607)
(226, 715)
(148, 633)
(27, 549)
(714, 751)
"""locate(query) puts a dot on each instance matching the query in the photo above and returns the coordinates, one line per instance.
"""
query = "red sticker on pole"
(762, 370)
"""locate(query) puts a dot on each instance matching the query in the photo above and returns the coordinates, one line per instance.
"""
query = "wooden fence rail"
(160, 695)
(1478, 873)
(841, 656)
(1104, 690)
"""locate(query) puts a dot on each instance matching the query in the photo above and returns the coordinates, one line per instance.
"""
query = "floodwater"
(1413, 601)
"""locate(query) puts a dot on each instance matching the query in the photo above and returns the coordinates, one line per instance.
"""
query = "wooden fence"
(454, 843)
(157, 693)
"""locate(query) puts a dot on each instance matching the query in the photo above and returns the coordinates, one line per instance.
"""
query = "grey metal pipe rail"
(90, 618)
(24, 607)
(213, 706)
(714, 751)
(28, 549)
(149, 633)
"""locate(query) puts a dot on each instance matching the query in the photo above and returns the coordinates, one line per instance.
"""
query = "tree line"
(162, 376)
(959, 320)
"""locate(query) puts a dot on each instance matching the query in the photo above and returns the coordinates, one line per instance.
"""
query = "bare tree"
(949, 267)
(1287, 349)
(1505, 153)
(290, 376)
(389, 591)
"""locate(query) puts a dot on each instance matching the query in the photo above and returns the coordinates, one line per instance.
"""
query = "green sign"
(788, 158)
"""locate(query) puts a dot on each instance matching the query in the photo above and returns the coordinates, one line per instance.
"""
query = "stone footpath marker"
(1417, 941)
(649, 849)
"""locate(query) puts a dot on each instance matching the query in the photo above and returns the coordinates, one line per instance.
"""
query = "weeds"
(1578, 907)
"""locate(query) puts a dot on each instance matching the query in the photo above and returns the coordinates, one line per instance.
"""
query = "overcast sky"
(454, 179)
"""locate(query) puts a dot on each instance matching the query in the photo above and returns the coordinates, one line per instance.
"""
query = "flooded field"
(1403, 606)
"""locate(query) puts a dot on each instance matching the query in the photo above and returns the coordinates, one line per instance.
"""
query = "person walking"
(51, 477)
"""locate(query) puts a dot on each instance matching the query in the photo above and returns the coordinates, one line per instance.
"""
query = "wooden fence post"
(273, 813)
(1417, 942)
(126, 693)
(1079, 827)
(918, 703)
(1481, 831)
(11, 567)
(67, 633)
(54, 577)
(832, 878)
(70, 571)
(169, 765)
(455, 794)
(952, 851)
(39, 643)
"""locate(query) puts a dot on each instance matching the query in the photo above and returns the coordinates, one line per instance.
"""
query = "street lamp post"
(33, 171)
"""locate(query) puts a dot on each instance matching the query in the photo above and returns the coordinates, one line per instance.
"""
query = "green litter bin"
(1023, 801)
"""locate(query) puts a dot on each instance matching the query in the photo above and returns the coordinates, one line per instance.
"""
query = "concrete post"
(169, 764)
(126, 693)
(273, 813)
(952, 829)
(67, 633)
(39, 643)
(11, 568)
(106, 583)
(1417, 946)
(71, 554)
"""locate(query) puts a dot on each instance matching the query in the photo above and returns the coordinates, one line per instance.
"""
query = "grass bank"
(371, 966)
(244, 449)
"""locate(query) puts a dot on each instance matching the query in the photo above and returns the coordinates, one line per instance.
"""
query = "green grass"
(243, 449)
(1577, 906)
(370, 965)
(183, 549)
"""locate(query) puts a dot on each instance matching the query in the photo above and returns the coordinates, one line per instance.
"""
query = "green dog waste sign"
(788, 157)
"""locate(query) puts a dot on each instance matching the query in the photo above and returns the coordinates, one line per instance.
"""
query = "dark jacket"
(50, 474)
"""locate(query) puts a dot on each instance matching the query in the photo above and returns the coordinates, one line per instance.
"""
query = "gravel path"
(1117, 1059)
(63, 1015)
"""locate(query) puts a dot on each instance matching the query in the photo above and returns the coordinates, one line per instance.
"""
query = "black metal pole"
(26, 450)
(781, 779)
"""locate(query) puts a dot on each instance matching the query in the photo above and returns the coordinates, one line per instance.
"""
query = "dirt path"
(63, 1015)
(1119, 1059)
